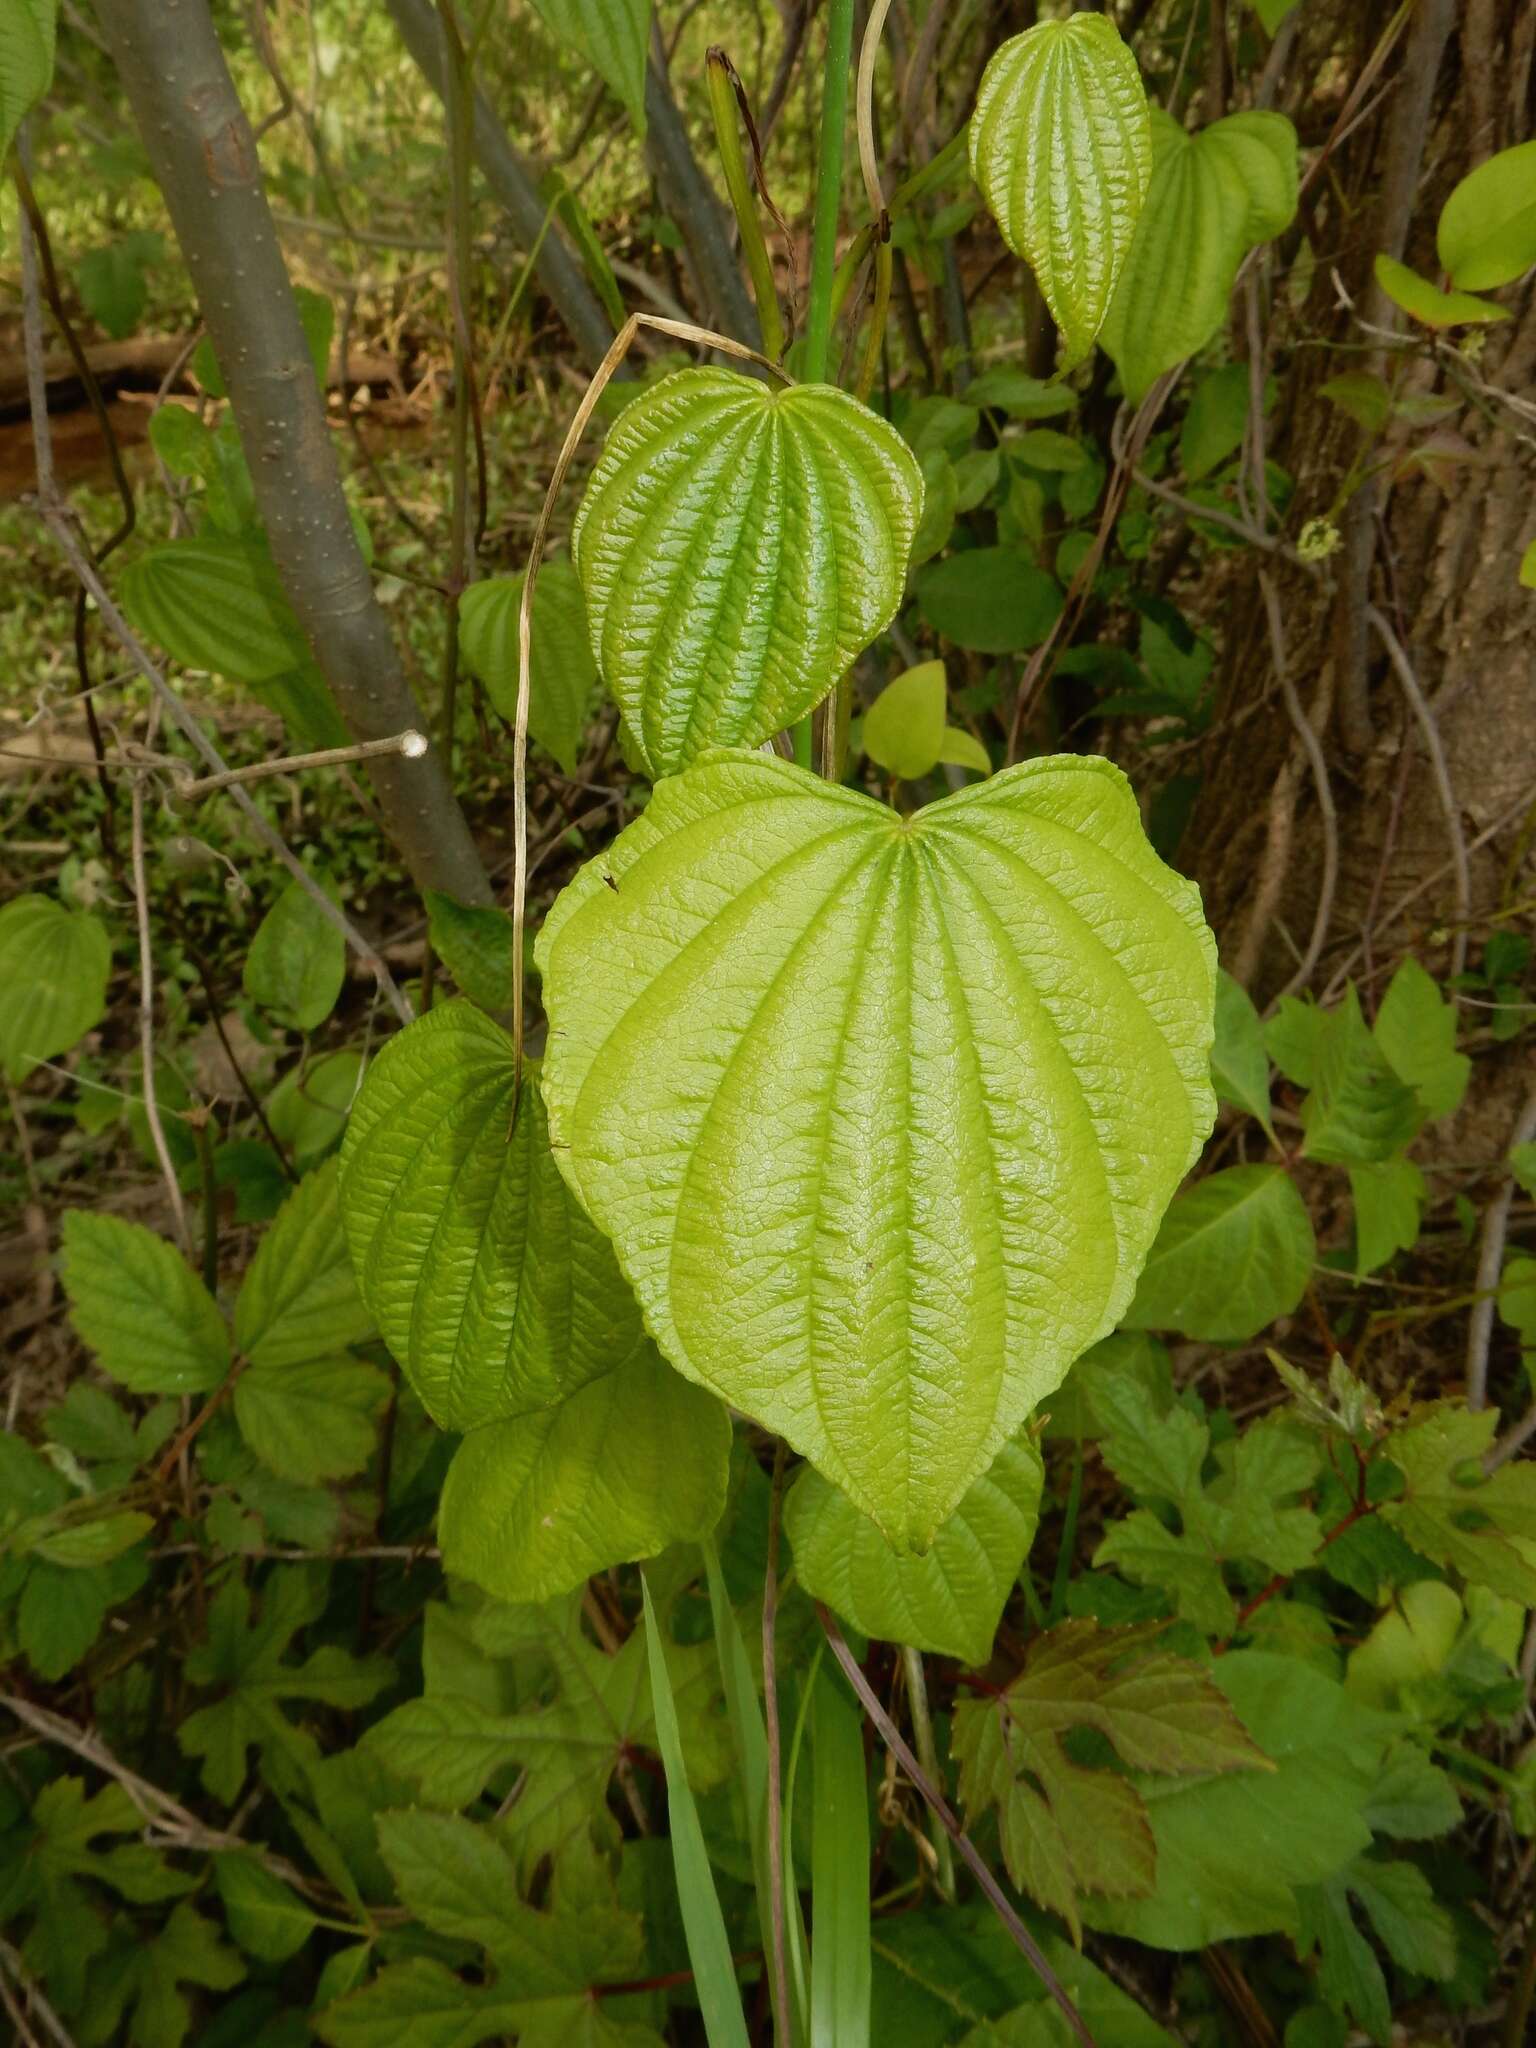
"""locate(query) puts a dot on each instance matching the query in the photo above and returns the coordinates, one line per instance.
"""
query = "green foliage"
(840, 914)
(1061, 146)
(990, 600)
(27, 30)
(1426, 303)
(718, 502)
(562, 674)
(1213, 197)
(1487, 231)
(475, 944)
(54, 965)
(215, 603)
(132, 1297)
(1232, 1254)
(611, 35)
(297, 961)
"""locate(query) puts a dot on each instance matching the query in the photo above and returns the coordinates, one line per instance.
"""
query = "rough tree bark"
(203, 154)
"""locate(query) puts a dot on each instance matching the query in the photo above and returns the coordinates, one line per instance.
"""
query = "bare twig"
(13, 1967)
(147, 1018)
(411, 744)
(1490, 1257)
(891, 1736)
(1428, 727)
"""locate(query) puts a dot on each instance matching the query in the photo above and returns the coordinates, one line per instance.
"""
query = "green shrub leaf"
(561, 672)
(269, 1920)
(1359, 1111)
(488, 1283)
(624, 1466)
(311, 1419)
(612, 36)
(1416, 1029)
(1487, 231)
(26, 60)
(1426, 303)
(216, 604)
(474, 942)
(1061, 146)
(54, 965)
(1239, 1063)
(991, 600)
(1450, 1512)
(1213, 197)
(950, 1599)
(738, 546)
(133, 1298)
(985, 1034)
(904, 727)
(297, 961)
(299, 1299)
(1232, 1254)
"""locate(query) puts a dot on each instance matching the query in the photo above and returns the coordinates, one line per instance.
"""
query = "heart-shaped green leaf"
(1426, 303)
(1061, 146)
(1487, 231)
(951, 1599)
(629, 1463)
(54, 965)
(1213, 197)
(216, 604)
(487, 1282)
(738, 546)
(562, 677)
(881, 1113)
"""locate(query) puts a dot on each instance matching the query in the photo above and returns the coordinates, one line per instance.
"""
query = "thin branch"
(891, 1736)
(1490, 1258)
(1307, 735)
(410, 743)
(1422, 711)
(147, 1018)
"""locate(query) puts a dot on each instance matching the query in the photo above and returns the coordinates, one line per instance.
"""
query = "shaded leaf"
(1233, 1253)
(54, 965)
(561, 672)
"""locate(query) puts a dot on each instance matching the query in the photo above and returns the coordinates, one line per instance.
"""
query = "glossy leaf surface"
(1213, 197)
(949, 1600)
(487, 1282)
(880, 1113)
(738, 546)
(1061, 146)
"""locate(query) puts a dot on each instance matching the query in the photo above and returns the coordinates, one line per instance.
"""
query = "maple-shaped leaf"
(1245, 1509)
(46, 1859)
(1069, 1826)
(247, 1661)
(545, 1964)
(144, 1979)
(587, 1710)
(1451, 1511)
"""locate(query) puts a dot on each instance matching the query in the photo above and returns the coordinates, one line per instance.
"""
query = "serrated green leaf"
(58, 1617)
(1412, 1641)
(1293, 1039)
(1061, 146)
(1451, 1511)
(991, 600)
(297, 961)
(627, 1464)
(474, 942)
(311, 1419)
(1359, 1112)
(1426, 303)
(299, 1298)
(611, 35)
(26, 60)
(268, 1919)
(1416, 1029)
(217, 604)
(1239, 1063)
(488, 1283)
(133, 1298)
(904, 727)
(950, 1599)
(1487, 231)
(1388, 1198)
(866, 973)
(54, 965)
(561, 672)
(90, 1423)
(720, 511)
(1233, 1253)
(1213, 196)
(1067, 1829)
(80, 1545)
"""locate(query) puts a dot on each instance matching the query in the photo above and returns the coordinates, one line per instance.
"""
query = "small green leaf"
(81, 1545)
(1217, 420)
(59, 1616)
(214, 603)
(950, 1599)
(961, 749)
(1061, 146)
(904, 727)
(1233, 1253)
(311, 1419)
(270, 1921)
(1359, 1113)
(991, 600)
(1388, 1198)
(611, 35)
(1213, 197)
(1487, 231)
(1426, 303)
(299, 1298)
(1239, 1062)
(1363, 395)
(488, 1283)
(308, 1107)
(1481, 1526)
(26, 60)
(910, 993)
(1528, 567)
(474, 942)
(722, 508)
(561, 672)
(627, 1464)
(132, 1297)
(297, 961)
(54, 965)
(1416, 1029)
(113, 286)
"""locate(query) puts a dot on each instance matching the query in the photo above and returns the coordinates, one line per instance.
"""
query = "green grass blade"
(709, 1952)
(840, 1952)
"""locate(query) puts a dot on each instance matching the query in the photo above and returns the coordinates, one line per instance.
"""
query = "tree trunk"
(204, 155)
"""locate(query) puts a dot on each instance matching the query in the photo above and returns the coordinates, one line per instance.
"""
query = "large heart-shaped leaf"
(951, 1599)
(487, 1282)
(881, 1113)
(1214, 196)
(1061, 146)
(629, 1463)
(738, 546)
(54, 965)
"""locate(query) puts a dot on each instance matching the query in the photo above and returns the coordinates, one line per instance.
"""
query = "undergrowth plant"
(828, 1252)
